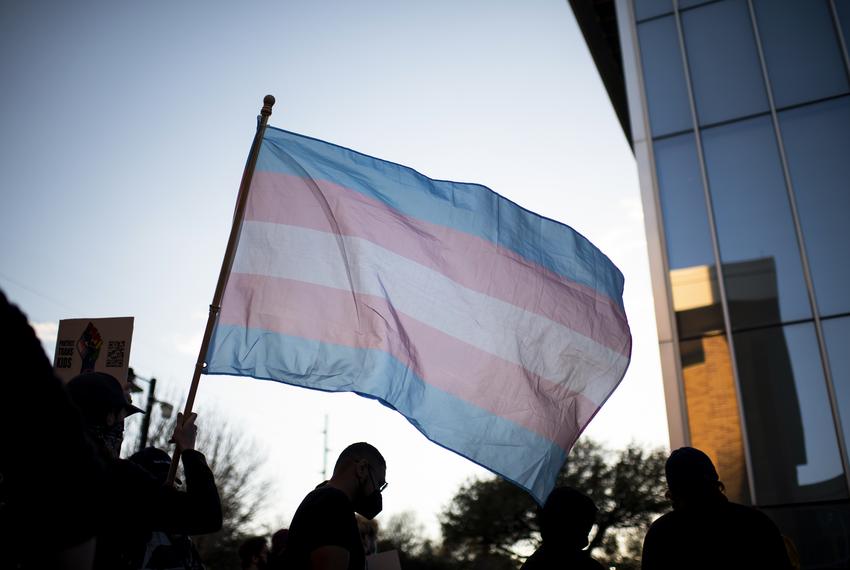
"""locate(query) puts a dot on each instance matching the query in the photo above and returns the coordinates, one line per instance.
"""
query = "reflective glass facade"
(740, 111)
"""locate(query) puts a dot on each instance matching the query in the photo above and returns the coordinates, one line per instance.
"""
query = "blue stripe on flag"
(523, 457)
(470, 208)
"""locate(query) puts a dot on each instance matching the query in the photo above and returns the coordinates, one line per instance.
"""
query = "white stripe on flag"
(543, 347)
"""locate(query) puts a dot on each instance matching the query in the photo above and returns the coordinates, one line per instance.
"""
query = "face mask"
(370, 505)
(110, 438)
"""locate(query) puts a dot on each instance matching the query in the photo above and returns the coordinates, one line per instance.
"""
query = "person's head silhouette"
(361, 472)
(566, 519)
(254, 553)
(691, 478)
(103, 406)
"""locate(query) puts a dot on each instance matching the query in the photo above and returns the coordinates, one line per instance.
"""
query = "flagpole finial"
(268, 102)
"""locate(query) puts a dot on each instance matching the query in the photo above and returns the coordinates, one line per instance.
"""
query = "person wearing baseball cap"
(103, 406)
(135, 501)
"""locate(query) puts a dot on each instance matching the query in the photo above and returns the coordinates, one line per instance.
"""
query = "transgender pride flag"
(496, 332)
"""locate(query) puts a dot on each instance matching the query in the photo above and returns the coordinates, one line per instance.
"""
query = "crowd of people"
(333, 527)
(68, 501)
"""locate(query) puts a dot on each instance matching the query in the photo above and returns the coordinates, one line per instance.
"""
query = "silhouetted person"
(158, 550)
(103, 405)
(277, 553)
(133, 501)
(50, 477)
(323, 534)
(254, 553)
(705, 529)
(565, 521)
(279, 541)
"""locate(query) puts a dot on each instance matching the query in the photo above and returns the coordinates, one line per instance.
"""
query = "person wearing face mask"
(324, 533)
(133, 500)
(103, 406)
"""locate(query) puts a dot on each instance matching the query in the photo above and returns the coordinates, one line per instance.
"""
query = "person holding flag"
(133, 501)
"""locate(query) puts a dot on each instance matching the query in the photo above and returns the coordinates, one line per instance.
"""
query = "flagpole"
(226, 264)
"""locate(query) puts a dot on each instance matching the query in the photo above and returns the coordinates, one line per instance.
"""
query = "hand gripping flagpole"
(226, 264)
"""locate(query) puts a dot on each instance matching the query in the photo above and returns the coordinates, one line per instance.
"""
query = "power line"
(37, 293)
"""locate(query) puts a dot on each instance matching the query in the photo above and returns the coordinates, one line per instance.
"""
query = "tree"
(627, 486)
(492, 517)
(486, 519)
(405, 534)
(236, 464)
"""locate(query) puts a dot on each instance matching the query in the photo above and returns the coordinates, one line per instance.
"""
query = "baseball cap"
(155, 461)
(96, 394)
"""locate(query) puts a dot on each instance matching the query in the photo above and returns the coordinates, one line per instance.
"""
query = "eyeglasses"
(380, 487)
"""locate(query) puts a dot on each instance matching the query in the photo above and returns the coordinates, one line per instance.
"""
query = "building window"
(693, 276)
(821, 533)
(801, 50)
(817, 145)
(793, 445)
(713, 415)
(723, 60)
(837, 333)
(762, 269)
(664, 77)
(691, 3)
(843, 9)
(650, 8)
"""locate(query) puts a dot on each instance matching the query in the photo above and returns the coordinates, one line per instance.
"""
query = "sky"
(125, 128)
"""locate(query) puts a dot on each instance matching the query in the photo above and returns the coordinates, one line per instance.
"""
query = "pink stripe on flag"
(473, 262)
(367, 322)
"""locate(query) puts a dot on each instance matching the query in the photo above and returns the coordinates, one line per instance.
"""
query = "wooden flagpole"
(226, 264)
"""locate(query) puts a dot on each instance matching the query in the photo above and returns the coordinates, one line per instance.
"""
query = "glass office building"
(739, 116)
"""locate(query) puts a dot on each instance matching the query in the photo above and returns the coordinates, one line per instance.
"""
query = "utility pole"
(164, 407)
(146, 421)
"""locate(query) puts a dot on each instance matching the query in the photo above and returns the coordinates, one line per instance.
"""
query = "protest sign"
(93, 345)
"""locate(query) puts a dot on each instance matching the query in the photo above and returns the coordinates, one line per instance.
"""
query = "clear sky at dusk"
(125, 127)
